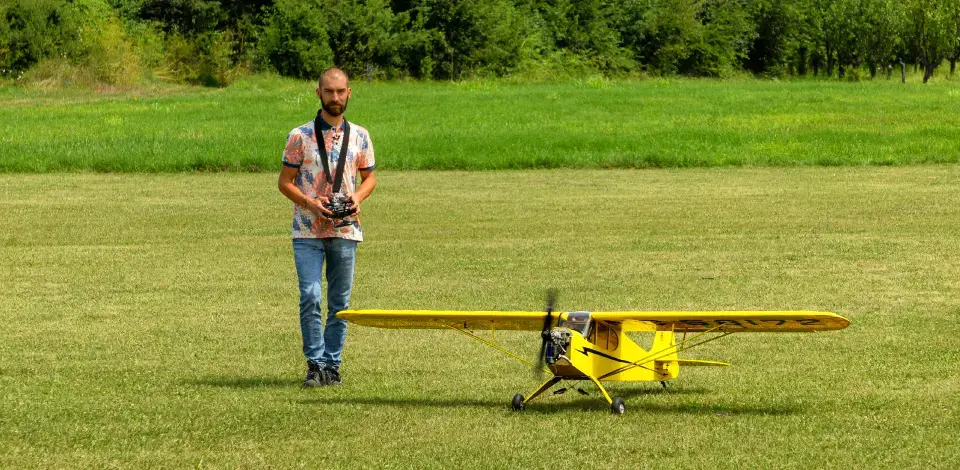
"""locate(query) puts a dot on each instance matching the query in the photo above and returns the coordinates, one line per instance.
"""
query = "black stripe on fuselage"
(586, 351)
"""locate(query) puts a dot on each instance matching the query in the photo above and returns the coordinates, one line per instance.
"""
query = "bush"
(112, 57)
(35, 30)
(68, 43)
(294, 40)
(201, 60)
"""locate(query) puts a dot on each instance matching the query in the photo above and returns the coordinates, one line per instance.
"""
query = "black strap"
(344, 143)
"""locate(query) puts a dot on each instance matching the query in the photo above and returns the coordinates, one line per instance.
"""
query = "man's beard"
(334, 109)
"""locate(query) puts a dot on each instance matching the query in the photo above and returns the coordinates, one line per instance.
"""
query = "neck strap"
(341, 163)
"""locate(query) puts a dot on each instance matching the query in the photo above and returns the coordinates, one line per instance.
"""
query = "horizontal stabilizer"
(700, 363)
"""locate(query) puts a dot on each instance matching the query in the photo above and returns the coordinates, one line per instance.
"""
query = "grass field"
(150, 320)
(492, 125)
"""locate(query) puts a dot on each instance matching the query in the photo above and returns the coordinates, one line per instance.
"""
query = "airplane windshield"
(578, 321)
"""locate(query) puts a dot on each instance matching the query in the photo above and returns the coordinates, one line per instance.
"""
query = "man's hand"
(317, 206)
(355, 203)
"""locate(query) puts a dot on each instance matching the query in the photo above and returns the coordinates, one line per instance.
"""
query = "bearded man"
(321, 162)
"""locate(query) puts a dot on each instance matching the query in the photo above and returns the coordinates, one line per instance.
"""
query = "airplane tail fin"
(670, 364)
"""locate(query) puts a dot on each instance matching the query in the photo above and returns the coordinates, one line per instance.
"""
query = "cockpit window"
(578, 321)
(605, 336)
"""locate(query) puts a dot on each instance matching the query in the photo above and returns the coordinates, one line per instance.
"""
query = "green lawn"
(492, 125)
(150, 320)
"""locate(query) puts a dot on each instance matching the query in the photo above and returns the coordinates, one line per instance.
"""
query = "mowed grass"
(151, 320)
(492, 125)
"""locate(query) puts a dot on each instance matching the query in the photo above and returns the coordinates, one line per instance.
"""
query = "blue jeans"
(322, 346)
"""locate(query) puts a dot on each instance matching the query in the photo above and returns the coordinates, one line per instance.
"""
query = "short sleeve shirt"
(302, 152)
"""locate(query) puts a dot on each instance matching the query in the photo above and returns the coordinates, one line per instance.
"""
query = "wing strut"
(681, 346)
(491, 344)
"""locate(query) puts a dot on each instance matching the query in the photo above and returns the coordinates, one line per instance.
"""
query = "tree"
(932, 32)
(188, 17)
(588, 29)
(33, 31)
(777, 25)
(473, 36)
(844, 26)
(671, 31)
(728, 32)
(955, 54)
(295, 39)
(881, 32)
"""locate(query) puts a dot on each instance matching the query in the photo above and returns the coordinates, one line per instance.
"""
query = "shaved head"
(333, 73)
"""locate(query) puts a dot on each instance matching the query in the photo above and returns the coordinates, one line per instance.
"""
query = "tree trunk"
(953, 66)
(873, 70)
(830, 67)
(841, 71)
(903, 72)
(802, 62)
(889, 71)
(928, 72)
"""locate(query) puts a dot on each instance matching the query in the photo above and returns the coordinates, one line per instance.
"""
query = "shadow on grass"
(546, 407)
(638, 400)
(245, 382)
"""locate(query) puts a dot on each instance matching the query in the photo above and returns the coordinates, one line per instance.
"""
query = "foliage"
(933, 31)
(211, 41)
(294, 40)
(34, 30)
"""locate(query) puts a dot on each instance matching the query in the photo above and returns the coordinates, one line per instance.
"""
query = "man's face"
(334, 93)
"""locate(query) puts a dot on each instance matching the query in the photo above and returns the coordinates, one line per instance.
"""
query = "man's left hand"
(355, 203)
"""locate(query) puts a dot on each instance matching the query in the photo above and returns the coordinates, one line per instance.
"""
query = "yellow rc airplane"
(594, 346)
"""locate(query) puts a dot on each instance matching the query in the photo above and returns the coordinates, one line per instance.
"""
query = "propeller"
(545, 332)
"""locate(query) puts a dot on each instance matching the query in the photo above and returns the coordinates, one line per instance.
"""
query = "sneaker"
(315, 376)
(332, 377)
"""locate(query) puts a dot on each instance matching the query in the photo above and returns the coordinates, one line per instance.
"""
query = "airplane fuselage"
(608, 354)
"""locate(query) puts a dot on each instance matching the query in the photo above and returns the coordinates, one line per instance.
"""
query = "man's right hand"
(317, 206)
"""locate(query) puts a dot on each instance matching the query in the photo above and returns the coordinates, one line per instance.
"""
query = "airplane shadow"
(635, 398)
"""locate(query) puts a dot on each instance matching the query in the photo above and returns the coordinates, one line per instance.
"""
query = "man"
(319, 235)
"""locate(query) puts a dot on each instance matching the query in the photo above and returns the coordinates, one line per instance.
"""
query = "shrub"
(295, 41)
(112, 57)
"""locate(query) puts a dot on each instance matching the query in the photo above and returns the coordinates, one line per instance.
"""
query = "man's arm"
(367, 183)
(289, 189)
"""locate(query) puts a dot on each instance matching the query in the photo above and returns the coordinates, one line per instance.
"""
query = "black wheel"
(618, 407)
(518, 403)
(664, 383)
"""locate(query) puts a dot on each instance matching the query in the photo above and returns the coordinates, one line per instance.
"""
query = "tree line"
(212, 41)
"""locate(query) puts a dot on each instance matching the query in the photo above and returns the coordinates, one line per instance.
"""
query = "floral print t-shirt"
(302, 152)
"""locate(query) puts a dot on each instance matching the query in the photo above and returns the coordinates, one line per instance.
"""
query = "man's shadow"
(245, 382)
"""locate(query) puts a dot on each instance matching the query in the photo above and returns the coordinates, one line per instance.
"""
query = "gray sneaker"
(315, 377)
(332, 377)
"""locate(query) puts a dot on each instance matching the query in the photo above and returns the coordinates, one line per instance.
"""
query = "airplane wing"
(428, 319)
(731, 321)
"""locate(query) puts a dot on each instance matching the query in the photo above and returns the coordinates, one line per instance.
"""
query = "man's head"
(334, 91)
